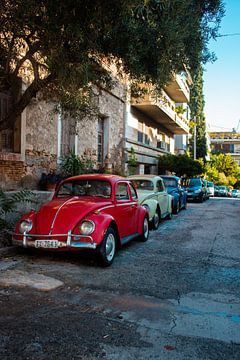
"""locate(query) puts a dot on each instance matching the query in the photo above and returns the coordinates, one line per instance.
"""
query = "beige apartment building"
(227, 143)
(152, 122)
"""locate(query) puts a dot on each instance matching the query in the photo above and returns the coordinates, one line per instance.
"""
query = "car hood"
(62, 215)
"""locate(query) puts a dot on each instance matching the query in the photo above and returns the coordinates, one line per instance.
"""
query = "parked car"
(210, 186)
(174, 188)
(216, 188)
(153, 195)
(236, 193)
(207, 191)
(98, 212)
(222, 191)
(196, 190)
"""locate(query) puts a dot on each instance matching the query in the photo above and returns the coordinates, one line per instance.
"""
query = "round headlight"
(87, 227)
(25, 226)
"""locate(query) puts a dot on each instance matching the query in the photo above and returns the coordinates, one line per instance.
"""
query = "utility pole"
(195, 140)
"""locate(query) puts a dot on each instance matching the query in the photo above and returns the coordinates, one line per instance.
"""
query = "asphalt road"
(177, 296)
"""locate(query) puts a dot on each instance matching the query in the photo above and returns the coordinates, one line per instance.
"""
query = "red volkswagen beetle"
(99, 212)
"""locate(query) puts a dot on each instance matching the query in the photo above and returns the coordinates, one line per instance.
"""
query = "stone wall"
(111, 108)
(41, 143)
(11, 173)
(41, 138)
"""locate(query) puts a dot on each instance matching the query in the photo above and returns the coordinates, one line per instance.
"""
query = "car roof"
(106, 177)
(169, 177)
(145, 177)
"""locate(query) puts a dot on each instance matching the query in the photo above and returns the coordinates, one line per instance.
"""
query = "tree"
(197, 114)
(222, 170)
(59, 47)
(181, 165)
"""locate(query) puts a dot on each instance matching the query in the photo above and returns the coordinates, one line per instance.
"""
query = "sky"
(222, 78)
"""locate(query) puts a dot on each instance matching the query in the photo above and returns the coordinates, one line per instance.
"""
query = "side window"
(133, 192)
(122, 191)
(160, 186)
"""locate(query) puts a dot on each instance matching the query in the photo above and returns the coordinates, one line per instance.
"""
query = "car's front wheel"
(145, 230)
(107, 249)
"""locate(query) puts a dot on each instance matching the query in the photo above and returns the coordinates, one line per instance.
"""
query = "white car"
(153, 195)
(236, 193)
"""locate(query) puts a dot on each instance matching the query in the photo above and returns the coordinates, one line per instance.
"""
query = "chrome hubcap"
(145, 227)
(110, 247)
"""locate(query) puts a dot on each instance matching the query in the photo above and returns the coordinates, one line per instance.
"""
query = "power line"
(223, 35)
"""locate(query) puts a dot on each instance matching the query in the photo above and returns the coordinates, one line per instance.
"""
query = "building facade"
(108, 137)
(42, 136)
(153, 121)
(227, 143)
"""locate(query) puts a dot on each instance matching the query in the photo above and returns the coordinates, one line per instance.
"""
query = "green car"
(153, 195)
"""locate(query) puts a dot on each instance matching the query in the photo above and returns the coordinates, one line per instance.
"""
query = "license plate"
(47, 244)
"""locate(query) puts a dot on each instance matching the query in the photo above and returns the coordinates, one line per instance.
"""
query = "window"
(140, 131)
(122, 192)
(6, 136)
(160, 185)
(133, 192)
(87, 187)
(100, 140)
(142, 184)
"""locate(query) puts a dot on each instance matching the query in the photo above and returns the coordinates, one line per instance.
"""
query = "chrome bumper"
(28, 240)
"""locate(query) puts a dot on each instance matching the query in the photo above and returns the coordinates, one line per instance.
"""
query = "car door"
(125, 210)
(162, 196)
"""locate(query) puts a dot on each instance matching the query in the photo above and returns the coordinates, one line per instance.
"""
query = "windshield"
(85, 188)
(195, 182)
(142, 184)
(222, 188)
(169, 182)
(210, 184)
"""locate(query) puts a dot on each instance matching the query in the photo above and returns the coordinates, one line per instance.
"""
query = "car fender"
(102, 223)
(141, 215)
(152, 205)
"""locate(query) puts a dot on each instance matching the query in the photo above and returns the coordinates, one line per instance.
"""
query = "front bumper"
(194, 196)
(63, 241)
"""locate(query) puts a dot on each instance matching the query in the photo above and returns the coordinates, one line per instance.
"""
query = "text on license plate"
(46, 244)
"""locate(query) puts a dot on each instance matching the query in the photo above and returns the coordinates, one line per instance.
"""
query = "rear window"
(170, 182)
(142, 184)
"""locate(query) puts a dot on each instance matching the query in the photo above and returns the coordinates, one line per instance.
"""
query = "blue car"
(174, 188)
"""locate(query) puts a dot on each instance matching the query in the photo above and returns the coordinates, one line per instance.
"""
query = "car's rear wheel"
(145, 230)
(177, 208)
(156, 220)
(107, 249)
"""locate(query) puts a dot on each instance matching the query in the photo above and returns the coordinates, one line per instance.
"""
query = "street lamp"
(195, 139)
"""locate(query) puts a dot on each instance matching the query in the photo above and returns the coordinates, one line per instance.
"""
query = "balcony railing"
(162, 109)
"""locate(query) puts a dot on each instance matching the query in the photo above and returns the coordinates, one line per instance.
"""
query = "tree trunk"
(24, 100)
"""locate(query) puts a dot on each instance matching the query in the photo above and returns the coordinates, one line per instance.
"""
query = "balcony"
(162, 110)
(178, 89)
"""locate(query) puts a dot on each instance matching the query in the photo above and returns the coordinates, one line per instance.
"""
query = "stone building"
(108, 137)
(42, 135)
